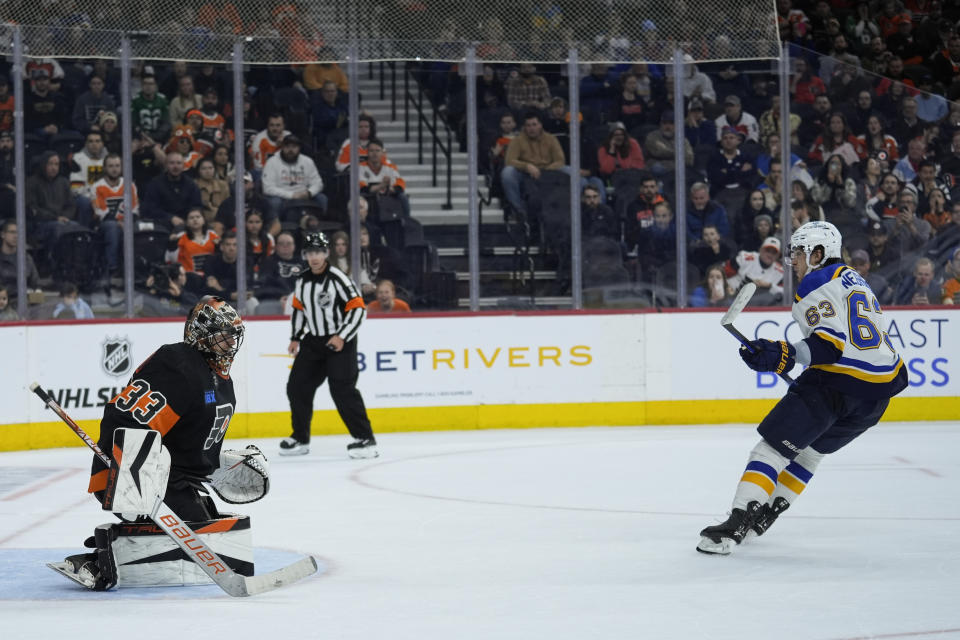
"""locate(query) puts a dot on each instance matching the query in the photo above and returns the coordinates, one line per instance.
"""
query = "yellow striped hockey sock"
(794, 478)
(759, 479)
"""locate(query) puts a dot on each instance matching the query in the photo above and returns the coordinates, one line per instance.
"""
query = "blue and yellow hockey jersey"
(842, 323)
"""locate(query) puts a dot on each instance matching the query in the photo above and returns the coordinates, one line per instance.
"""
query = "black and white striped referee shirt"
(326, 304)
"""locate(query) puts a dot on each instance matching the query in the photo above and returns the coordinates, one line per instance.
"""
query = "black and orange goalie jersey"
(176, 393)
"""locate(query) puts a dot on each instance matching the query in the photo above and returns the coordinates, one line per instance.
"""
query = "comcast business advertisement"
(927, 340)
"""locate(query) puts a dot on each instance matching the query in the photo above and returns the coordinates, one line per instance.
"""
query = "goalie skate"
(720, 539)
(79, 568)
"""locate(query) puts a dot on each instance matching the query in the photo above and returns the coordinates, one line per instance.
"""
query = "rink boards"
(472, 371)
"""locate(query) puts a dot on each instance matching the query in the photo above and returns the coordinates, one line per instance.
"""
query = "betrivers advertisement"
(467, 360)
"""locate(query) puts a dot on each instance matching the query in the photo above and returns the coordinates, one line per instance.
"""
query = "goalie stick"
(231, 582)
(738, 304)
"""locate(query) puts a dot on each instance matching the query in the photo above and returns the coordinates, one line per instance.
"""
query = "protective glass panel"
(64, 151)
(876, 136)
(416, 194)
(523, 132)
(628, 143)
(734, 230)
(183, 138)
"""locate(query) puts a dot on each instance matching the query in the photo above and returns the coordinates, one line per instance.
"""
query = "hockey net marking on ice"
(276, 32)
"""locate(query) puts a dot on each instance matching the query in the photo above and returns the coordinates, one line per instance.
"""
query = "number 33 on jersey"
(175, 393)
(835, 305)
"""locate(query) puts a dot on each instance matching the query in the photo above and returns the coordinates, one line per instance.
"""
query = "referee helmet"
(316, 241)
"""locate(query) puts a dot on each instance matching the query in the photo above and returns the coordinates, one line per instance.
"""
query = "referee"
(327, 312)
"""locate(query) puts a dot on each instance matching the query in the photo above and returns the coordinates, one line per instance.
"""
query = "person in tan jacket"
(325, 70)
(531, 152)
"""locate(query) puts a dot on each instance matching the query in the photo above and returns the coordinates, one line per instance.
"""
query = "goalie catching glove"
(243, 476)
(769, 355)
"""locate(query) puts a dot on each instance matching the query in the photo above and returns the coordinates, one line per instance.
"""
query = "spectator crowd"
(874, 147)
(182, 189)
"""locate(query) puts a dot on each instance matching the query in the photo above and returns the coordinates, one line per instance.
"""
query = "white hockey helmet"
(812, 235)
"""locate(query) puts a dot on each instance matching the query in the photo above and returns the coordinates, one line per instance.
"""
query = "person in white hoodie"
(291, 176)
(697, 84)
(86, 167)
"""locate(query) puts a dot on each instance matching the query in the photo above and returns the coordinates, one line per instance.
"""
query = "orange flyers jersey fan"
(215, 121)
(192, 254)
(262, 147)
(387, 170)
(176, 393)
(108, 201)
(191, 160)
(343, 158)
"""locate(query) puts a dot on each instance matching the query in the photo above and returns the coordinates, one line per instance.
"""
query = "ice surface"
(532, 534)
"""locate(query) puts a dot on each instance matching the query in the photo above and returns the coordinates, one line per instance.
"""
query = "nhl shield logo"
(116, 359)
(325, 299)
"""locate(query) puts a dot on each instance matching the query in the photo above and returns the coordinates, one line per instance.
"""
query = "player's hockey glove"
(769, 355)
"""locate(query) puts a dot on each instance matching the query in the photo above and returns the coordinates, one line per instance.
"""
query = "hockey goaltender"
(184, 393)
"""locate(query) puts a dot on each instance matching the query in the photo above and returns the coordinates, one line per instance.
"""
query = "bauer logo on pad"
(117, 360)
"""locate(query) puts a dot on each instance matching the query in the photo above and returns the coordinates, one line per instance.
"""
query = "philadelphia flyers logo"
(220, 424)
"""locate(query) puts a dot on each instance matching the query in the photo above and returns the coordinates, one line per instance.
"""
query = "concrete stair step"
(426, 191)
(424, 180)
(436, 217)
(410, 153)
(392, 135)
(436, 199)
(447, 252)
(509, 275)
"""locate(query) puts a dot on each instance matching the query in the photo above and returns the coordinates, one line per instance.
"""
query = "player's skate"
(366, 448)
(293, 447)
(767, 516)
(81, 568)
(721, 538)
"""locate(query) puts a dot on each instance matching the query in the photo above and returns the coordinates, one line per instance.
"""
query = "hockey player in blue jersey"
(852, 372)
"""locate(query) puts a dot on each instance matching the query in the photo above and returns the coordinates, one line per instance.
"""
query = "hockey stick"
(738, 304)
(191, 544)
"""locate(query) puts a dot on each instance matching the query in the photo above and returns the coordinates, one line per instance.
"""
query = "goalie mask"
(215, 329)
(812, 235)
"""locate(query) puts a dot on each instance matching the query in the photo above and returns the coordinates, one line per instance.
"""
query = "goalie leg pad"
(146, 557)
(138, 476)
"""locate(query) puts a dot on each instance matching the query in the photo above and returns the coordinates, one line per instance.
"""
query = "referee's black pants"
(314, 364)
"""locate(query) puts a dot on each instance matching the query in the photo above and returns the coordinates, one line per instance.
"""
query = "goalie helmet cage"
(258, 32)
